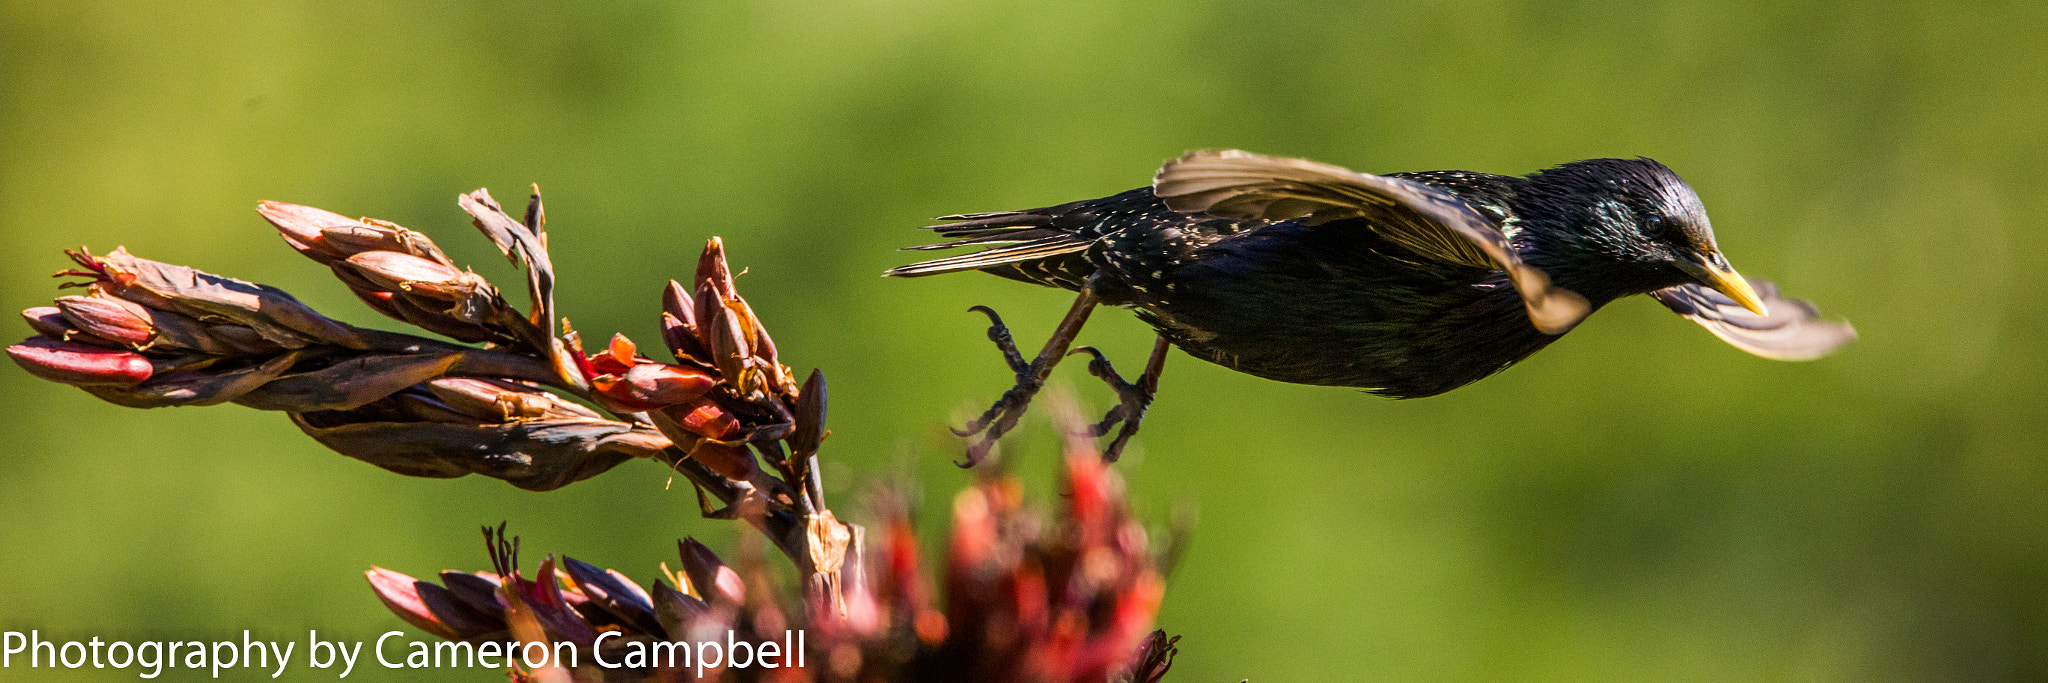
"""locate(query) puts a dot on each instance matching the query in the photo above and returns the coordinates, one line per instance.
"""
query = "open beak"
(1716, 273)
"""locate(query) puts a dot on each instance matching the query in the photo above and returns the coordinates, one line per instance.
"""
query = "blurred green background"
(1638, 502)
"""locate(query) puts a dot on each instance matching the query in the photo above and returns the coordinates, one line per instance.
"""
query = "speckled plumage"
(1312, 274)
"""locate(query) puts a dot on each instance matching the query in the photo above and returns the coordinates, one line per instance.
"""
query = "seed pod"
(537, 455)
(200, 384)
(78, 364)
(614, 593)
(496, 400)
(676, 301)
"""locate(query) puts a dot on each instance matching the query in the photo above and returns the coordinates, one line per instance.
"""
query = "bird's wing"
(1237, 184)
(1793, 330)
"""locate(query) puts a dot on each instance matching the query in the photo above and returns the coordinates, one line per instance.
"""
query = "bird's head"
(1629, 224)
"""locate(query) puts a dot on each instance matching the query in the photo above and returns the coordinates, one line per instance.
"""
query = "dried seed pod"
(679, 325)
(202, 384)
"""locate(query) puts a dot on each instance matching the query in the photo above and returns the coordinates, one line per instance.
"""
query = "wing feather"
(1430, 222)
(1793, 331)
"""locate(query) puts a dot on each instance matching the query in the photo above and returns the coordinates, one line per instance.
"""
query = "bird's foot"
(1031, 376)
(1001, 417)
(1132, 397)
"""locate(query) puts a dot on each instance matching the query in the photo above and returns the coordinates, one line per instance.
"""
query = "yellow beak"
(1725, 280)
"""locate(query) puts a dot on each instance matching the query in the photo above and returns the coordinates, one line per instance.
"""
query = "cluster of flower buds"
(726, 388)
(401, 273)
(1068, 602)
(506, 429)
(148, 334)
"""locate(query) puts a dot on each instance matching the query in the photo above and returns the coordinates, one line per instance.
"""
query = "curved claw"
(1100, 366)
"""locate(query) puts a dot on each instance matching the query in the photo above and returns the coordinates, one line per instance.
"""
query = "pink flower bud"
(399, 593)
(393, 271)
(108, 318)
(732, 462)
(710, 579)
(704, 418)
(376, 235)
(48, 321)
(712, 270)
(78, 364)
(301, 227)
(654, 384)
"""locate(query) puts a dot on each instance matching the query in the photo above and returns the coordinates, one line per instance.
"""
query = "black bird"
(1406, 284)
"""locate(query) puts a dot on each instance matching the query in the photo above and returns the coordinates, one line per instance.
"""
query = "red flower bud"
(376, 235)
(660, 384)
(712, 270)
(394, 271)
(301, 227)
(704, 418)
(400, 594)
(48, 321)
(108, 318)
(709, 578)
(731, 462)
(78, 364)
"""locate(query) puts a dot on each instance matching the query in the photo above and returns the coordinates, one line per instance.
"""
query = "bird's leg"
(1002, 416)
(1132, 398)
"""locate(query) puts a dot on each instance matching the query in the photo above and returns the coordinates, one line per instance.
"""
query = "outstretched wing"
(1793, 330)
(1430, 222)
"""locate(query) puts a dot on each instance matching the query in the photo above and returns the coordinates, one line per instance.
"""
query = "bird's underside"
(1406, 285)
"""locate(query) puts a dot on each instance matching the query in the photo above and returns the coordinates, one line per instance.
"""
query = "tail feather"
(1032, 250)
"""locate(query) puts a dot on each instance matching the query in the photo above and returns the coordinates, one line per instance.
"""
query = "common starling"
(1405, 284)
